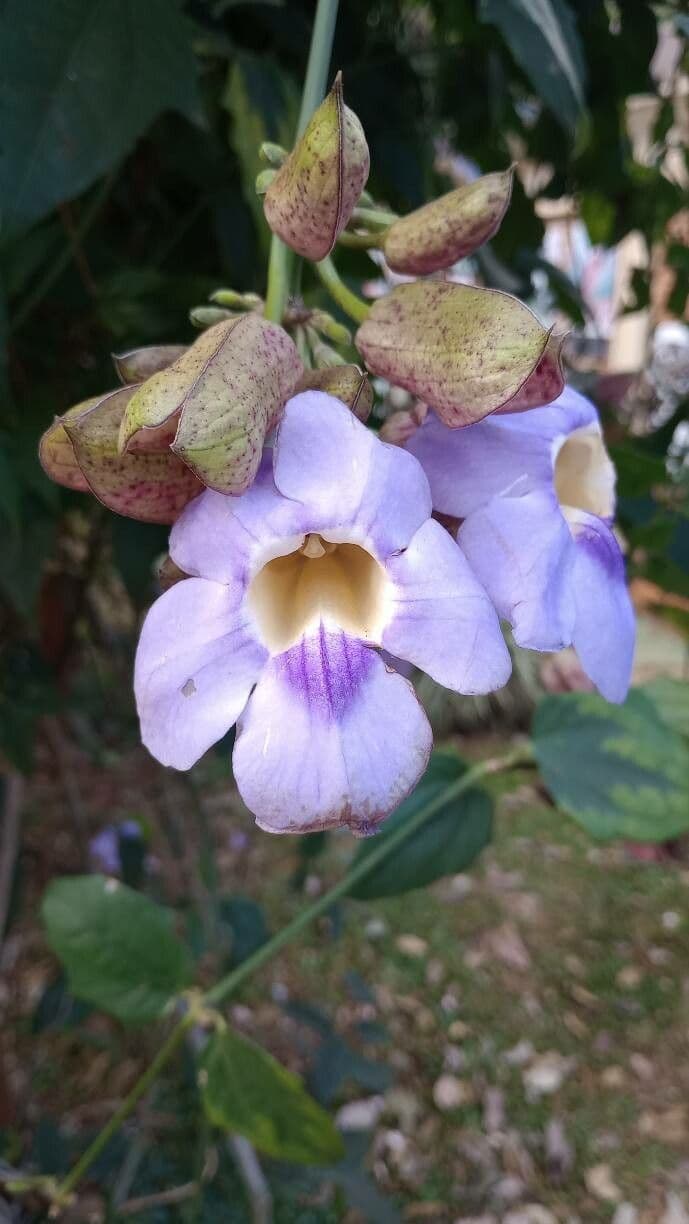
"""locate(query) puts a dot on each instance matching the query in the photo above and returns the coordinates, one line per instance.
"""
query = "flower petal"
(442, 619)
(466, 467)
(330, 737)
(196, 664)
(343, 475)
(521, 550)
(604, 629)
(227, 538)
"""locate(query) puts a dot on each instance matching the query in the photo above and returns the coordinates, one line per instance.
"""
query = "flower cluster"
(308, 560)
(330, 556)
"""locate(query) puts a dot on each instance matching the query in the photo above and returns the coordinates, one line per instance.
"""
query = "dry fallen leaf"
(599, 1182)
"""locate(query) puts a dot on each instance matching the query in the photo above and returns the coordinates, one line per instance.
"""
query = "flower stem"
(362, 242)
(282, 260)
(233, 980)
(376, 218)
(167, 1049)
(340, 293)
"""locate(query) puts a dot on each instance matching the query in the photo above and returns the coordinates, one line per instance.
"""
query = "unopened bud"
(228, 390)
(272, 153)
(346, 382)
(236, 300)
(449, 228)
(311, 199)
(329, 327)
(208, 316)
(168, 573)
(323, 354)
(464, 350)
(138, 364)
(263, 181)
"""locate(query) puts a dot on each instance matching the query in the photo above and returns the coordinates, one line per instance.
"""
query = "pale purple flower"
(331, 554)
(536, 491)
(105, 847)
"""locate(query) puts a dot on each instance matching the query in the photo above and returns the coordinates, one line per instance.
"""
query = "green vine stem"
(340, 293)
(363, 242)
(229, 984)
(282, 260)
(375, 218)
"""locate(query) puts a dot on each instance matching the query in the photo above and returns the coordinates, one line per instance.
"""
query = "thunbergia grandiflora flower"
(536, 493)
(330, 554)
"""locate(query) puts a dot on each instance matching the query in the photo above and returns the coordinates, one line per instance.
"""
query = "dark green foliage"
(100, 72)
(447, 843)
(620, 771)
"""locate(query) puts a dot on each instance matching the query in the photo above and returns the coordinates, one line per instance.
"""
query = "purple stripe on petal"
(325, 670)
(329, 737)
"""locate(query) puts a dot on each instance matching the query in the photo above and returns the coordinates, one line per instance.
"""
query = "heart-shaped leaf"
(447, 229)
(228, 391)
(246, 1091)
(346, 383)
(118, 947)
(620, 771)
(311, 198)
(465, 351)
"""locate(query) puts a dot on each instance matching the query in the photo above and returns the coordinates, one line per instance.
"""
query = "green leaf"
(543, 38)
(82, 80)
(671, 700)
(246, 1091)
(118, 948)
(620, 771)
(447, 843)
(262, 103)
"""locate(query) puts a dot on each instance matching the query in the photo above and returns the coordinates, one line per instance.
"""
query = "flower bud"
(235, 300)
(208, 316)
(263, 181)
(151, 485)
(545, 383)
(323, 354)
(311, 199)
(399, 427)
(447, 229)
(330, 328)
(228, 390)
(346, 382)
(168, 574)
(465, 351)
(138, 364)
(272, 153)
(56, 453)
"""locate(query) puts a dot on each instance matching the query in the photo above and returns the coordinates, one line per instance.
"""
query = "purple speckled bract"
(326, 670)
